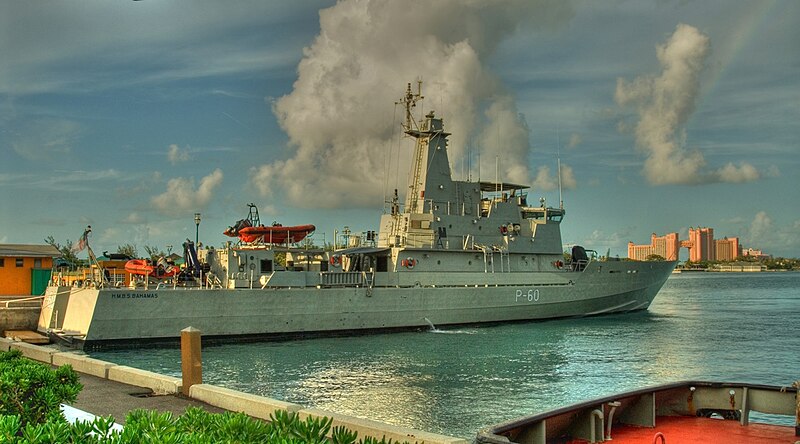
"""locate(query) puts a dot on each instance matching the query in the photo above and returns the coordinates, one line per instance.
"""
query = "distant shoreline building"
(752, 252)
(701, 245)
(728, 250)
(666, 246)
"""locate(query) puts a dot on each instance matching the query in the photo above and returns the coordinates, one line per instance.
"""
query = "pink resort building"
(728, 249)
(666, 246)
(701, 244)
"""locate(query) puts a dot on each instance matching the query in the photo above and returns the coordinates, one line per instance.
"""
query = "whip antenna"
(558, 156)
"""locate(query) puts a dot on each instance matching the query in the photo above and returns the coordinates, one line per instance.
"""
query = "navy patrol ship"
(455, 253)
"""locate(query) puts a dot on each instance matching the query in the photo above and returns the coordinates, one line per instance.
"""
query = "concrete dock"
(111, 389)
(103, 397)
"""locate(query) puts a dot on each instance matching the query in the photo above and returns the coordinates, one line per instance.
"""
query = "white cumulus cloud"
(339, 116)
(760, 227)
(181, 194)
(664, 103)
(545, 181)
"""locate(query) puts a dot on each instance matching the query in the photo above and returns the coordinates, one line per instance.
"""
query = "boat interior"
(673, 413)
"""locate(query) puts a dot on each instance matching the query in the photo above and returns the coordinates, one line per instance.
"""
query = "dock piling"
(191, 360)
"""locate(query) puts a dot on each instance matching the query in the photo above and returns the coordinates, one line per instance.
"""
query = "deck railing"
(32, 298)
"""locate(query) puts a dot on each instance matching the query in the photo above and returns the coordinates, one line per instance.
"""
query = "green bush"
(196, 426)
(33, 391)
(30, 413)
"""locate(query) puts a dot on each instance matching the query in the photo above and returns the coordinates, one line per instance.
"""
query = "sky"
(132, 116)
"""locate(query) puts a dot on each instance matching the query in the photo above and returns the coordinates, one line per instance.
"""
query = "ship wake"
(433, 329)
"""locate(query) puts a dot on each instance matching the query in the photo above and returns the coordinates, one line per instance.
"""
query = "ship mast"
(410, 101)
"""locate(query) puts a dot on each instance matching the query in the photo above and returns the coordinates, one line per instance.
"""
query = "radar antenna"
(410, 101)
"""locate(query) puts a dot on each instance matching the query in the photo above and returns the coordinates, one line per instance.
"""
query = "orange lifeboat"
(143, 267)
(275, 234)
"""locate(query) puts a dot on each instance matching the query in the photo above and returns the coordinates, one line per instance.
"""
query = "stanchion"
(191, 361)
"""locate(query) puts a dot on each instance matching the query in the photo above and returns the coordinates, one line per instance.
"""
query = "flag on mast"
(83, 242)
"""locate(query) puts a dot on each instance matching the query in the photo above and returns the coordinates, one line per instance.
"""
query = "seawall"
(232, 400)
(19, 318)
(22, 312)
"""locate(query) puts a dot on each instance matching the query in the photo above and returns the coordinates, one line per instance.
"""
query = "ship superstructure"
(451, 217)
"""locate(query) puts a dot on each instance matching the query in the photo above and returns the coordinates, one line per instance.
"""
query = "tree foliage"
(782, 263)
(153, 252)
(128, 250)
(66, 251)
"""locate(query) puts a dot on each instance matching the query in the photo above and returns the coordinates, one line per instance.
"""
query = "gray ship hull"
(110, 317)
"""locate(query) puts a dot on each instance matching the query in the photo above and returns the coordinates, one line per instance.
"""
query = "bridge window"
(533, 214)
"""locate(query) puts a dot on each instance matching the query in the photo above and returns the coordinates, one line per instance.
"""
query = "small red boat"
(143, 267)
(275, 234)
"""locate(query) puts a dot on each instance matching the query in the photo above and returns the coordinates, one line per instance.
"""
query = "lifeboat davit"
(143, 267)
(275, 234)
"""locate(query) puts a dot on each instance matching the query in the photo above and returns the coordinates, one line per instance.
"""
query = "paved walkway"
(102, 397)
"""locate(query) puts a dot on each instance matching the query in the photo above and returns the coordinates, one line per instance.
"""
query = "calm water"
(733, 327)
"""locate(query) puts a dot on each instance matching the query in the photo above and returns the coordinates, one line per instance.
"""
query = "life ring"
(558, 264)
(409, 263)
(503, 230)
(335, 261)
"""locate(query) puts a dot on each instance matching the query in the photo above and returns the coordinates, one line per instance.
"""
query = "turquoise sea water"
(715, 326)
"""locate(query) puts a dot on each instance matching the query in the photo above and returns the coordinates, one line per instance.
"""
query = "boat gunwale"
(494, 433)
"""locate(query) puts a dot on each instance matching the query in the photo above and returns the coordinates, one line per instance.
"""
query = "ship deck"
(689, 429)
